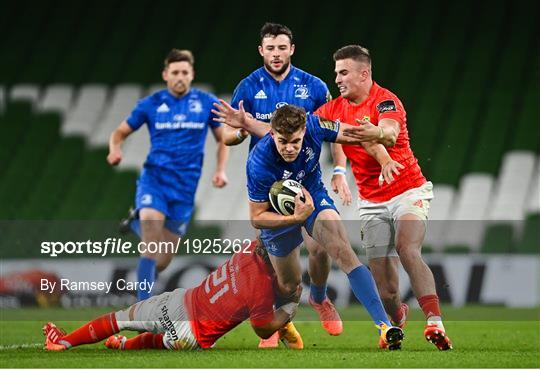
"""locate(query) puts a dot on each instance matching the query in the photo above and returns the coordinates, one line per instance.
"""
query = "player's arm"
(386, 133)
(339, 180)
(378, 151)
(219, 179)
(116, 140)
(262, 218)
(281, 316)
(239, 118)
(234, 136)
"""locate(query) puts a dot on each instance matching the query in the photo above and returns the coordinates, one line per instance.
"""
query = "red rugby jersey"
(381, 103)
(239, 289)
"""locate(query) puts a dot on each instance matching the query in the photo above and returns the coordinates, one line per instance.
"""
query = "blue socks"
(146, 271)
(363, 287)
(317, 293)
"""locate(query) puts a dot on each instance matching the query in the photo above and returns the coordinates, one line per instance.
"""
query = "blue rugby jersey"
(177, 127)
(265, 165)
(262, 94)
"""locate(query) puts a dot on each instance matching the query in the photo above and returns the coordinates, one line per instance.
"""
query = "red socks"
(145, 340)
(94, 331)
(398, 315)
(430, 305)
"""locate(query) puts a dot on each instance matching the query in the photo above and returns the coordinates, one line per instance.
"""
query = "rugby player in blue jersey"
(290, 149)
(177, 119)
(275, 84)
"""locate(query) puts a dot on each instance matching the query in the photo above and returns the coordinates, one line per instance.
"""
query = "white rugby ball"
(282, 195)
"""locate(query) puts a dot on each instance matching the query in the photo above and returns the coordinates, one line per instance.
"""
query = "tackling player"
(277, 83)
(291, 150)
(183, 319)
(393, 215)
(177, 119)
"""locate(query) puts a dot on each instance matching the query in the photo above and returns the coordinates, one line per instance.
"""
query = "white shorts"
(165, 314)
(378, 220)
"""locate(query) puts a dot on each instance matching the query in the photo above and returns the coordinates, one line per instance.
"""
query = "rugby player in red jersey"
(393, 212)
(240, 289)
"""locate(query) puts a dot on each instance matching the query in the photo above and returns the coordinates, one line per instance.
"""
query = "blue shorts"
(155, 191)
(280, 242)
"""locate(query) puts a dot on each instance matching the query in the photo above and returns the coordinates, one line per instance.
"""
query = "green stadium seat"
(498, 238)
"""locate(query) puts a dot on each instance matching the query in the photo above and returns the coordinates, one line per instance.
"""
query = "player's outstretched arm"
(389, 167)
(219, 179)
(385, 133)
(115, 143)
(239, 118)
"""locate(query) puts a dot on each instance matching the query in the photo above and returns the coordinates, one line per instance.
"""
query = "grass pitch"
(483, 337)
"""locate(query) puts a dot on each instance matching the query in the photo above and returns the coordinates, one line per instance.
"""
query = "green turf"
(495, 344)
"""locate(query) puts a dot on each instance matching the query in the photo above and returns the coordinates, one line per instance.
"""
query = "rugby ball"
(282, 195)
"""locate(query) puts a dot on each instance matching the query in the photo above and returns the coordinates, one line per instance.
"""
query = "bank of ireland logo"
(146, 199)
(281, 104)
(301, 92)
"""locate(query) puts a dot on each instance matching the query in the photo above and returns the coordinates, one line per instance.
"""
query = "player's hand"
(388, 170)
(303, 209)
(366, 131)
(236, 118)
(114, 157)
(219, 180)
(341, 188)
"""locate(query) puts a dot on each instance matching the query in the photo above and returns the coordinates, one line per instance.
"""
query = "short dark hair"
(275, 29)
(176, 55)
(355, 52)
(288, 119)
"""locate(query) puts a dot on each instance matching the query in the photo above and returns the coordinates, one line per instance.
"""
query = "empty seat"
(440, 211)
(88, 106)
(514, 180)
(121, 103)
(472, 202)
(135, 149)
(56, 98)
(25, 92)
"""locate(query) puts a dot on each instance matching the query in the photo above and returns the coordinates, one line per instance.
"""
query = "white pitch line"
(21, 346)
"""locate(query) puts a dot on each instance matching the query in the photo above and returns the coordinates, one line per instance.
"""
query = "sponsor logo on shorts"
(167, 323)
(419, 203)
(324, 202)
(387, 106)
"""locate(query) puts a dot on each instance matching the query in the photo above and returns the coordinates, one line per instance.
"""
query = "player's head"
(276, 48)
(288, 130)
(353, 71)
(178, 71)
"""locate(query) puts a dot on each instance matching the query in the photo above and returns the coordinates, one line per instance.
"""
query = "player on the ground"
(239, 289)
(393, 215)
(277, 83)
(291, 150)
(178, 119)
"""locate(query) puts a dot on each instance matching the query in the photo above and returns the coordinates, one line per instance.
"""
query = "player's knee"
(289, 288)
(389, 293)
(319, 253)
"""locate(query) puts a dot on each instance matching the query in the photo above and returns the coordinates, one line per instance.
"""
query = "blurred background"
(467, 72)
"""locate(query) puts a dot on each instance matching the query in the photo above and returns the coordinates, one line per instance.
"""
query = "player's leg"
(411, 216)
(319, 267)
(329, 231)
(288, 272)
(152, 230)
(385, 273)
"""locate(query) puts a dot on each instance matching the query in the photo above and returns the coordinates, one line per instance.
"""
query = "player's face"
(350, 78)
(178, 76)
(276, 53)
(289, 146)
